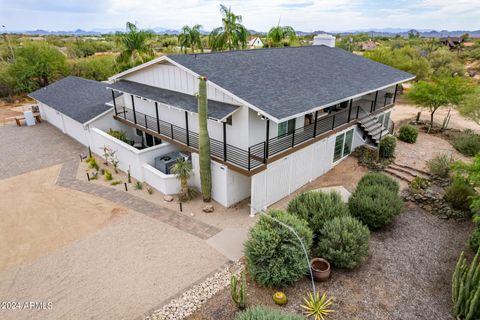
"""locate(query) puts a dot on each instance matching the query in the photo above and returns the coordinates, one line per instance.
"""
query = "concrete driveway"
(82, 255)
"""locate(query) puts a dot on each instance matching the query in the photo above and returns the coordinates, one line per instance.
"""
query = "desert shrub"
(386, 147)
(375, 206)
(440, 165)
(150, 190)
(344, 242)
(474, 240)
(408, 133)
(92, 163)
(116, 182)
(459, 194)
(418, 184)
(120, 135)
(467, 143)
(263, 313)
(377, 178)
(107, 175)
(139, 185)
(317, 207)
(274, 255)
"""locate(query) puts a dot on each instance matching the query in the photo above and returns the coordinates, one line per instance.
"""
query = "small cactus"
(239, 295)
(280, 298)
(466, 288)
(129, 176)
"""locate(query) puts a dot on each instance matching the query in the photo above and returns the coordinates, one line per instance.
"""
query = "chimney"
(324, 39)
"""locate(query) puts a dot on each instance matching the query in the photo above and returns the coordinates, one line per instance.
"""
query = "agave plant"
(317, 307)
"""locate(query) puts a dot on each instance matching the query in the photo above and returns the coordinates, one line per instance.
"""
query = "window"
(343, 145)
(386, 119)
(139, 132)
(286, 127)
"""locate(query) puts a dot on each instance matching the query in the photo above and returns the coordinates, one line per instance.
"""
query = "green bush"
(344, 242)
(386, 147)
(467, 143)
(120, 135)
(459, 194)
(317, 207)
(408, 133)
(375, 206)
(107, 175)
(440, 165)
(474, 240)
(138, 185)
(274, 255)
(262, 313)
(378, 178)
(419, 184)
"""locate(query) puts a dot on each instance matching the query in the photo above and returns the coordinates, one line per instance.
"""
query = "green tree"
(231, 35)
(204, 141)
(279, 33)
(441, 92)
(446, 63)
(191, 38)
(96, 68)
(134, 45)
(36, 65)
(470, 106)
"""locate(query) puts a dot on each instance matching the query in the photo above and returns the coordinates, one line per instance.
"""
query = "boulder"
(168, 198)
(208, 208)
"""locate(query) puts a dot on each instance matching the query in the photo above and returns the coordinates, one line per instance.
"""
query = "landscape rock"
(168, 198)
(208, 208)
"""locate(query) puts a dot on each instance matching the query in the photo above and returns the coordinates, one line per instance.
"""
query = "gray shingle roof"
(216, 110)
(289, 81)
(77, 98)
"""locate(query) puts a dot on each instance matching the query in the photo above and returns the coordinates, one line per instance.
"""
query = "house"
(255, 43)
(452, 42)
(277, 118)
(324, 39)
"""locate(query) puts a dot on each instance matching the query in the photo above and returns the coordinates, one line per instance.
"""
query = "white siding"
(288, 174)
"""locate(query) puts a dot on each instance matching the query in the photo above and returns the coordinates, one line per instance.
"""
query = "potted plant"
(320, 269)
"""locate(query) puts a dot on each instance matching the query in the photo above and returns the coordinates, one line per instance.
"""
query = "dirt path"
(404, 111)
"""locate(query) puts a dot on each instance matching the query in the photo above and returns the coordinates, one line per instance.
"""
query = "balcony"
(251, 160)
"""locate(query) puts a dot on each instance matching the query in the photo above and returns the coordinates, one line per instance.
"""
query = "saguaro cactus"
(466, 289)
(204, 141)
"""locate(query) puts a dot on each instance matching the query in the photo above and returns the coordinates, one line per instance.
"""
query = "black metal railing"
(256, 155)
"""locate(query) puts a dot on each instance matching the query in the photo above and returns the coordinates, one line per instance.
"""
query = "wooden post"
(350, 110)
(114, 103)
(267, 137)
(134, 113)
(395, 94)
(375, 102)
(158, 120)
(224, 141)
(186, 128)
(315, 124)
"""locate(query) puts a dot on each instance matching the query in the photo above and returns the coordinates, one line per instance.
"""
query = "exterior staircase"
(405, 173)
(372, 129)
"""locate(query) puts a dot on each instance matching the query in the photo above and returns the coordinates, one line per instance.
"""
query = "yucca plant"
(466, 288)
(239, 294)
(317, 307)
(182, 169)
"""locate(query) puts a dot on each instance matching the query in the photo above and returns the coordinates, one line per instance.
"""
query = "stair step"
(377, 136)
(405, 167)
(367, 122)
(399, 175)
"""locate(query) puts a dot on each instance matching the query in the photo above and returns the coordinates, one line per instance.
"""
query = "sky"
(259, 15)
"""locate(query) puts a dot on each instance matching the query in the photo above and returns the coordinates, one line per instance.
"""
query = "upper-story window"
(286, 127)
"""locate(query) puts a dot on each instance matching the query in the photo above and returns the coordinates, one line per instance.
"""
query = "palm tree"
(182, 169)
(135, 44)
(190, 38)
(231, 35)
(279, 33)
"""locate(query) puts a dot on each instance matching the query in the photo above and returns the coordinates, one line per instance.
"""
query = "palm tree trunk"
(204, 141)
(184, 185)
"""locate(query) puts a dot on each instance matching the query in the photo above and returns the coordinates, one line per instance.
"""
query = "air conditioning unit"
(165, 162)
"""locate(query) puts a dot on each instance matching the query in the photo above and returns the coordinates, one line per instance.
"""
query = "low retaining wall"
(165, 183)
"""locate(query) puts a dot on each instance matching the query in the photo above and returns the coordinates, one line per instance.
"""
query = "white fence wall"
(288, 174)
(165, 183)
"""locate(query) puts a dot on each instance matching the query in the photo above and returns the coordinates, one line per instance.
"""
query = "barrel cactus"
(280, 298)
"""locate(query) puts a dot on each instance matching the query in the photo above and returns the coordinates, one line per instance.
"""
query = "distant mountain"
(386, 32)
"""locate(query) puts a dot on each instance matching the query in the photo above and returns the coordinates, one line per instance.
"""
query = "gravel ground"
(406, 277)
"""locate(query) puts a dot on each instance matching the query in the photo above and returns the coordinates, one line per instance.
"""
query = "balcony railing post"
(114, 103)
(186, 127)
(350, 110)
(158, 120)
(333, 122)
(267, 138)
(249, 158)
(146, 125)
(225, 141)
(124, 113)
(264, 153)
(171, 130)
(395, 94)
(134, 113)
(375, 103)
(358, 111)
(315, 124)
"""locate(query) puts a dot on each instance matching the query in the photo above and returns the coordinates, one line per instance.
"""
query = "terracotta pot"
(320, 269)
